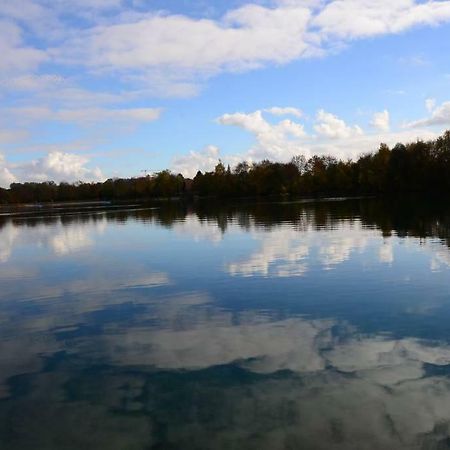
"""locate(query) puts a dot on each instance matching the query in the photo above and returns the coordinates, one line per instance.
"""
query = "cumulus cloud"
(64, 167)
(56, 166)
(6, 177)
(285, 111)
(278, 141)
(282, 140)
(331, 126)
(381, 121)
(204, 160)
(440, 115)
(337, 18)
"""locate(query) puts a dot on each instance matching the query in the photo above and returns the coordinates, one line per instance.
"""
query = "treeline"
(164, 184)
(405, 216)
(418, 167)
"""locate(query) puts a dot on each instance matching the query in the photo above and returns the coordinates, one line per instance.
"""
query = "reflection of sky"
(282, 336)
(56, 238)
(286, 251)
(343, 389)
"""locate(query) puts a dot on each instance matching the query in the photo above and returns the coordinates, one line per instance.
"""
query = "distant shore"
(418, 168)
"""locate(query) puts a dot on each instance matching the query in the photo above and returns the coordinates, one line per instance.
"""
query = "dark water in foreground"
(270, 326)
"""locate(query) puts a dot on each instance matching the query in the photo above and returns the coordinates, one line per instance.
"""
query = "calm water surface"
(268, 326)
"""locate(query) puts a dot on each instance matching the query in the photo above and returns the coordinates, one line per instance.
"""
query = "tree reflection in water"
(263, 326)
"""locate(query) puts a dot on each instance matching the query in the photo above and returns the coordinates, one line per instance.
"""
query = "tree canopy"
(417, 167)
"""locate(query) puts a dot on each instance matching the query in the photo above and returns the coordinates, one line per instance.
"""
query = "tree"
(220, 168)
(299, 161)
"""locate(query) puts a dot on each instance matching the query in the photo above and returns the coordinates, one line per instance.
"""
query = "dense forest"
(418, 167)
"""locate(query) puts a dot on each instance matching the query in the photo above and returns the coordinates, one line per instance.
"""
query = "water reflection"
(288, 251)
(56, 235)
(270, 326)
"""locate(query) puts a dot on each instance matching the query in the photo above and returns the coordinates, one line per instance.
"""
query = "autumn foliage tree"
(417, 167)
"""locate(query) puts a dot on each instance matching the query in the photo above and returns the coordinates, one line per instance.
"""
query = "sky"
(94, 89)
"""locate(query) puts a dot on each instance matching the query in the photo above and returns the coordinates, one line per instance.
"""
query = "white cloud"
(279, 141)
(139, 51)
(377, 17)
(6, 177)
(285, 111)
(285, 139)
(204, 161)
(56, 166)
(64, 167)
(147, 46)
(50, 19)
(355, 146)
(288, 127)
(430, 104)
(331, 126)
(90, 4)
(86, 115)
(440, 115)
(381, 121)
(16, 56)
(64, 93)
(244, 38)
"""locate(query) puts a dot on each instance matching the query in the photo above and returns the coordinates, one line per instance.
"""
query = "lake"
(273, 325)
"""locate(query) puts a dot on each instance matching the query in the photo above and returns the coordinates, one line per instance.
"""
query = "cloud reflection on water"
(346, 391)
(156, 350)
(59, 238)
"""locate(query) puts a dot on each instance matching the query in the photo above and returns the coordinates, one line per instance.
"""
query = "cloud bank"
(325, 134)
(55, 166)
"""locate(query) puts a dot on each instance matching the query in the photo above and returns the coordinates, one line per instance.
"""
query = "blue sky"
(92, 89)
